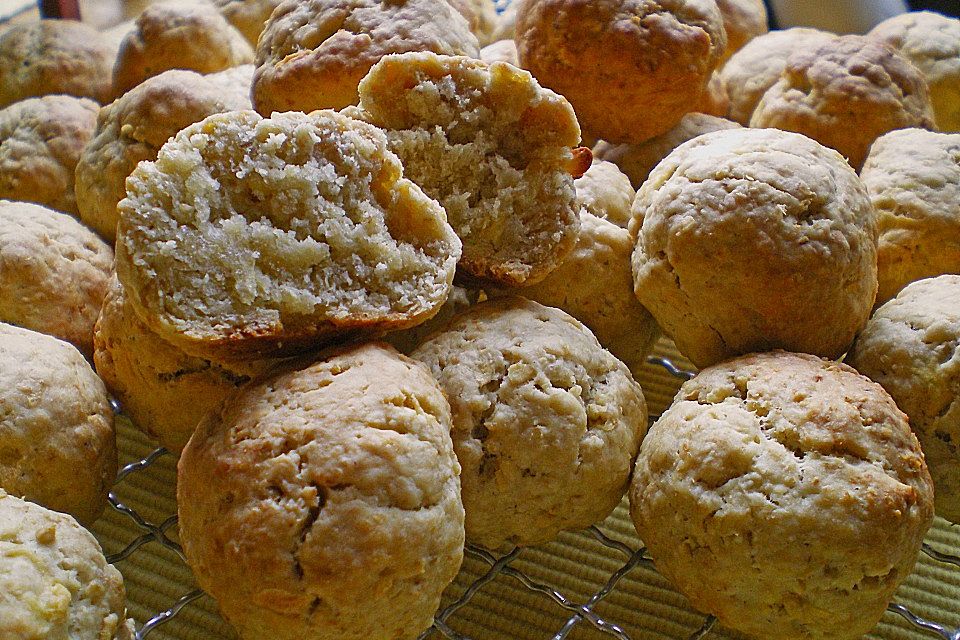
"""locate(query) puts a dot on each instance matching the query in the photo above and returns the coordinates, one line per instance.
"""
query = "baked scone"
(491, 146)
(501, 51)
(54, 56)
(325, 503)
(41, 140)
(755, 239)
(606, 192)
(783, 492)
(56, 430)
(150, 376)
(546, 423)
(930, 41)
(54, 273)
(845, 94)
(638, 160)
(749, 72)
(594, 285)
(313, 53)
(743, 21)
(459, 300)
(247, 16)
(134, 127)
(481, 15)
(256, 236)
(178, 35)
(631, 68)
(55, 583)
(913, 177)
(910, 348)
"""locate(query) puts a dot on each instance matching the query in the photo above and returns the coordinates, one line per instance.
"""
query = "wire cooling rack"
(578, 612)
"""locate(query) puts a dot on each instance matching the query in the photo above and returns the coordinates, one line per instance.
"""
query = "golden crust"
(247, 16)
(743, 21)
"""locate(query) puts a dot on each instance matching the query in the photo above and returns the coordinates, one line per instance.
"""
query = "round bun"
(324, 503)
(913, 177)
(743, 21)
(254, 237)
(54, 56)
(58, 445)
(137, 124)
(546, 423)
(54, 580)
(41, 140)
(781, 491)
(604, 191)
(910, 348)
(54, 273)
(755, 239)
(313, 53)
(845, 94)
(247, 16)
(631, 68)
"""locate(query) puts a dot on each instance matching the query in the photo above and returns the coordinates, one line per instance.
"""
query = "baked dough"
(253, 237)
(743, 21)
(325, 503)
(755, 239)
(546, 423)
(501, 51)
(247, 16)
(459, 300)
(57, 445)
(605, 192)
(910, 346)
(783, 492)
(913, 177)
(481, 15)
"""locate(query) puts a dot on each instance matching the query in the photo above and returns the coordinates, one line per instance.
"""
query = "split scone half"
(493, 147)
(258, 236)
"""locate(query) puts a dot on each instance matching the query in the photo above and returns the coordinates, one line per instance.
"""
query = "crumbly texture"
(41, 140)
(638, 160)
(756, 67)
(594, 285)
(743, 21)
(54, 56)
(604, 191)
(501, 51)
(546, 423)
(910, 346)
(313, 53)
(54, 273)
(460, 299)
(631, 68)
(491, 146)
(845, 94)
(913, 177)
(782, 491)
(57, 445)
(324, 504)
(55, 583)
(755, 239)
(930, 41)
(247, 16)
(149, 376)
(137, 124)
(178, 35)
(256, 236)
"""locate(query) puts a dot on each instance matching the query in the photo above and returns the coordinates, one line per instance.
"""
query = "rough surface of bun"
(631, 68)
(913, 177)
(54, 56)
(546, 423)
(313, 53)
(605, 192)
(254, 236)
(247, 16)
(910, 346)
(41, 140)
(845, 94)
(755, 239)
(178, 35)
(325, 503)
(743, 21)
(493, 147)
(55, 583)
(53, 273)
(137, 124)
(785, 492)
(58, 446)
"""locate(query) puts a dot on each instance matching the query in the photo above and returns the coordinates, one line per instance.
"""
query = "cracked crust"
(911, 346)
(846, 93)
(325, 502)
(546, 423)
(913, 177)
(782, 491)
(755, 239)
(631, 68)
